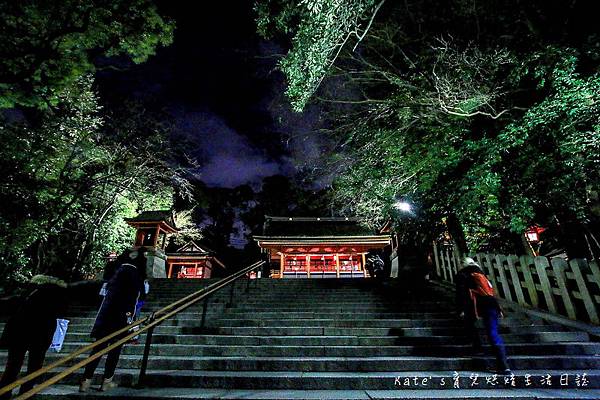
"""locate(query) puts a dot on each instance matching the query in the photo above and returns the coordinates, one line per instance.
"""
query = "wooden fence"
(569, 288)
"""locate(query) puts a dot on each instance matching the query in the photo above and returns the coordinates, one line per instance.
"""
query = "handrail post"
(144, 366)
(204, 307)
(230, 304)
(248, 283)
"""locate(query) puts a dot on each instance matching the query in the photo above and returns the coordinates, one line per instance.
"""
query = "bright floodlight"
(403, 206)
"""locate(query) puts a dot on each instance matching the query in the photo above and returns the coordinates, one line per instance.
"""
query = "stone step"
(358, 323)
(217, 320)
(342, 282)
(346, 364)
(291, 302)
(347, 340)
(449, 350)
(261, 289)
(230, 313)
(62, 391)
(397, 381)
(379, 328)
(383, 331)
(288, 338)
(286, 308)
(258, 292)
(337, 308)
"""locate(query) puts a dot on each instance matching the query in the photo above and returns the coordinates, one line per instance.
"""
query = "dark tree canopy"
(72, 169)
(47, 45)
(485, 114)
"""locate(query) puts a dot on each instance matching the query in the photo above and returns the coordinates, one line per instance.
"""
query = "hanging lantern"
(533, 233)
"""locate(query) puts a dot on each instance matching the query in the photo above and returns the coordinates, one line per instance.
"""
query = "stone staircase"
(336, 339)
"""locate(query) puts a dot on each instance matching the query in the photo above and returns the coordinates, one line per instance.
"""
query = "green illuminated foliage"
(69, 180)
(324, 28)
(47, 45)
(481, 112)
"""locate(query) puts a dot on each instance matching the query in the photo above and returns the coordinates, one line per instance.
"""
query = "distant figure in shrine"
(375, 266)
(475, 300)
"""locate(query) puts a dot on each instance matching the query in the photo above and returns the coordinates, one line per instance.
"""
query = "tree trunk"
(572, 237)
(457, 233)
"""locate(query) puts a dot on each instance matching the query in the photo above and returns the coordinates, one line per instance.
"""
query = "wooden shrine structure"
(192, 261)
(152, 228)
(325, 247)
(188, 261)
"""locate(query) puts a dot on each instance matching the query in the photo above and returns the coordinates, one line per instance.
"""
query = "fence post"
(595, 272)
(502, 273)
(541, 266)
(533, 295)
(489, 265)
(437, 262)
(559, 265)
(478, 260)
(457, 258)
(511, 261)
(449, 265)
(583, 290)
(443, 263)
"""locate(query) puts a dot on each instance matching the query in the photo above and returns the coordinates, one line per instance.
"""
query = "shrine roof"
(190, 248)
(314, 227)
(193, 250)
(156, 216)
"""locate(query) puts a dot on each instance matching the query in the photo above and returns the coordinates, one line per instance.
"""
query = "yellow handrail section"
(150, 322)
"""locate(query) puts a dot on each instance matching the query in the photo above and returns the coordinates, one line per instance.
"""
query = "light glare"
(403, 206)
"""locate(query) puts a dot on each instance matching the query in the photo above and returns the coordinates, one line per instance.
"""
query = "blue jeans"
(491, 319)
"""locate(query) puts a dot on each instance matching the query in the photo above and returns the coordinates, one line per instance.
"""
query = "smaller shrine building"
(188, 261)
(192, 261)
(321, 247)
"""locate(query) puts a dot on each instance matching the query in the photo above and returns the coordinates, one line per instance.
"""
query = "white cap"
(469, 261)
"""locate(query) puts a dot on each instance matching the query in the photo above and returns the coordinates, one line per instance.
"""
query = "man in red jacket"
(475, 299)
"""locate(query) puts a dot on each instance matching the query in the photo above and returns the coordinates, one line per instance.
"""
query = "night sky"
(218, 84)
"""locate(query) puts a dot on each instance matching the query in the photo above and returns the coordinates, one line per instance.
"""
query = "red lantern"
(532, 236)
(533, 233)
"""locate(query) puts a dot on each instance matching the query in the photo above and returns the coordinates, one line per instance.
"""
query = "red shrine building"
(323, 247)
(152, 228)
(192, 261)
(189, 261)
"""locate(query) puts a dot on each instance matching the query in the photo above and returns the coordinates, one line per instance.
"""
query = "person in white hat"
(475, 300)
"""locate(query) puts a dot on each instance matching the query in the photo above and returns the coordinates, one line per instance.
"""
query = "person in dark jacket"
(109, 270)
(32, 327)
(473, 303)
(123, 291)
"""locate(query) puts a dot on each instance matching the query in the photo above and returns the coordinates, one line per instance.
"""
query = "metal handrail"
(155, 319)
